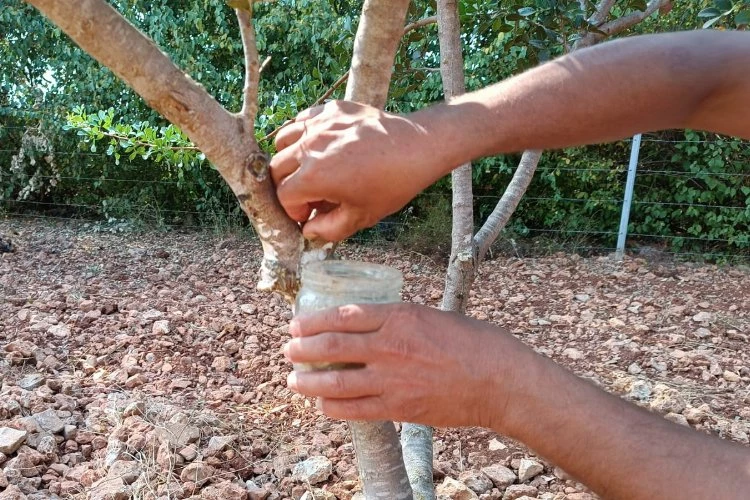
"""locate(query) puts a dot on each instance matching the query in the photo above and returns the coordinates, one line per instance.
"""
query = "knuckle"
(338, 382)
(332, 344)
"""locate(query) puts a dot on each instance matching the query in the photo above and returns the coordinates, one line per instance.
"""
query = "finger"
(330, 348)
(365, 408)
(334, 225)
(310, 113)
(283, 164)
(346, 319)
(337, 384)
(289, 135)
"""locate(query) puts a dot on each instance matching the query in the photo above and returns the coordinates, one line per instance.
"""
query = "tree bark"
(381, 26)
(222, 136)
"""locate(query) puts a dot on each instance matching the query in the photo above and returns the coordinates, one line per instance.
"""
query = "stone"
(126, 470)
(151, 315)
(11, 439)
(248, 308)
(572, 353)
(501, 476)
(451, 489)
(70, 432)
(634, 369)
(136, 380)
(528, 469)
(693, 415)
(31, 382)
(496, 445)
(677, 419)
(222, 363)
(703, 317)
(217, 444)
(60, 331)
(730, 376)
(516, 491)
(110, 489)
(256, 492)
(640, 390)
(134, 408)
(314, 470)
(582, 297)
(178, 434)
(160, 327)
(197, 472)
(318, 494)
(47, 445)
(12, 492)
(476, 481)
(189, 452)
(226, 490)
(49, 421)
(668, 400)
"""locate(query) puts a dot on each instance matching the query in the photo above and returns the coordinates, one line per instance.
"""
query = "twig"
(263, 65)
(343, 78)
(252, 68)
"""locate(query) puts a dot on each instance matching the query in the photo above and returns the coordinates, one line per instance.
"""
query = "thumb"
(335, 225)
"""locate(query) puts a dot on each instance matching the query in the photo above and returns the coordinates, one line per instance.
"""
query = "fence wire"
(520, 240)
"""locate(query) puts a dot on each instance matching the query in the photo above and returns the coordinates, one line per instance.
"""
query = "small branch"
(264, 64)
(619, 25)
(146, 144)
(603, 8)
(252, 68)
(418, 24)
(343, 78)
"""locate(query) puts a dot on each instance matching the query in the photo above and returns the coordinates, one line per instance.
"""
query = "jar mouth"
(352, 274)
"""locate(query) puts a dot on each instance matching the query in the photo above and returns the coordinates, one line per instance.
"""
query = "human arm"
(444, 369)
(366, 163)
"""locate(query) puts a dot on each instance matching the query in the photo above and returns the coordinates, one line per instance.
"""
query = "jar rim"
(351, 273)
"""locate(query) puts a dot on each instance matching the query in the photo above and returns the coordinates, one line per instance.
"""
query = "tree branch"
(102, 32)
(603, 8)
(621, 24)
(252, 67)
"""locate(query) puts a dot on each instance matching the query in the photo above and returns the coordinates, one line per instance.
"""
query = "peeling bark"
(223, 137)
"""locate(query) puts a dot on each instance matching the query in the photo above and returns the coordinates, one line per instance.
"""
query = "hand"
(352, 163)
(421, 365)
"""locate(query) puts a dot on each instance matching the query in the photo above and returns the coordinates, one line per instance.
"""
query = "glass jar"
(332, 283)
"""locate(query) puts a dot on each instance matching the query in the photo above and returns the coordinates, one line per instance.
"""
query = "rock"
(47, 445)
(136, 380)
(528, 469)
(496, 445)
(451, 489)
(640, 390)
(256, 492)
(314, 470)
(49, 421)
(31, 382)
(11, 439)
(572, 353)
(476, 481)
(12, 492)
(178, 434)
(730, 376)
(197, 472)
(217, 444)
(60, 331)
(500, 476)
(677, 419)
(703, 317)
(693, 415)
(318, 494)
(226, 490)
(516, 491)
(582, 297)
(222, 363)
(109, 489)
(189, 452)
(134, 408)
(160, 327)
(667, 400)
(634, 369)
(702, 333)
(127, 470)
(248, 308)
(151, 315)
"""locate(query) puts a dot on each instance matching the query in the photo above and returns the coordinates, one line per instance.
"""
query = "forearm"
(619, 450)
(683, 80)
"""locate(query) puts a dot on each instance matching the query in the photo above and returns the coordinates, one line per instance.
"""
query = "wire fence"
(521, 239)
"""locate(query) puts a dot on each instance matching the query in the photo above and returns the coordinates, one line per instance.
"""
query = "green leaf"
(711, 22)
(723, 5)
(709, 12)
(742, 18)
(526, 11)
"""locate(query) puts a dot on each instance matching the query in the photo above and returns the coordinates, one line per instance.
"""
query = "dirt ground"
(148, 366)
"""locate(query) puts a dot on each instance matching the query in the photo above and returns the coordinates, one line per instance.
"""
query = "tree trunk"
(222, 136)
(381, 26)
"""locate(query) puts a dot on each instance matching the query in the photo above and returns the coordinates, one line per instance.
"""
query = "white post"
(629, 185)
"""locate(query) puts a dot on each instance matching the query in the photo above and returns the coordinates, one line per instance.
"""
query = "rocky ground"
(147, 366)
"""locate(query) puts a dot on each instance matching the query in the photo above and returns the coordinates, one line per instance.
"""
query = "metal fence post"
(628, 199)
